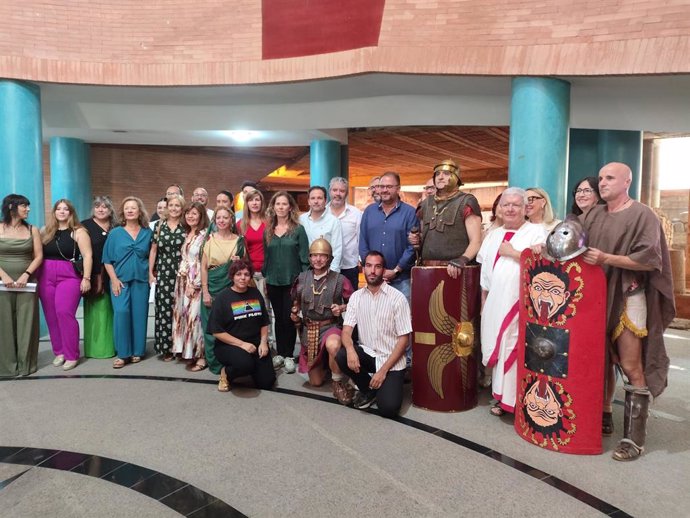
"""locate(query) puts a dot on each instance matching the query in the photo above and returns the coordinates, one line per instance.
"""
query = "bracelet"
(27, 272)
(86, 279)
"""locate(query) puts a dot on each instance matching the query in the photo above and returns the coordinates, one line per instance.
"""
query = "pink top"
(255, 245)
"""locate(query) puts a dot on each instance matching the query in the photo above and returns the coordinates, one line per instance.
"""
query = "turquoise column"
(626, 147)
(539, 119)
(70, 173)
(21, 161)
(324, 162)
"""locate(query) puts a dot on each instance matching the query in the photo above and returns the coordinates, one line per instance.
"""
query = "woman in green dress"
(164, 261)
(222, 247)
(98, 310)
(21, 253)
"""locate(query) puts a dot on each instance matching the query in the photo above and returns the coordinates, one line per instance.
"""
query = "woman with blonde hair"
(164, 261)
(125, 258)
(98, 310)
(62, 280)
(222, 247)
(21, 254)
(286, 254)
(539, 209)
(188, 335)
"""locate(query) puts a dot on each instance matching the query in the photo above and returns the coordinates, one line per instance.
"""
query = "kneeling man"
(382, 316)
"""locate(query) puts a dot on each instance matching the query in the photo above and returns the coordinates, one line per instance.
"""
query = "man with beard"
(321, 295)
(626, 239)
(319, 222)
(382, 316)
(451, 232)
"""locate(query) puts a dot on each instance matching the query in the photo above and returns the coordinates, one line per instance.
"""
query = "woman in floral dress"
(164, 261)
(188, 335)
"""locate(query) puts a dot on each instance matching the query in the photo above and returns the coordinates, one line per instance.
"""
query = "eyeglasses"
(532, 199)
(586, 190)
(384, 186)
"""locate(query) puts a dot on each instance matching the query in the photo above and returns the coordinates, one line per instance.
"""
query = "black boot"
(634, 423)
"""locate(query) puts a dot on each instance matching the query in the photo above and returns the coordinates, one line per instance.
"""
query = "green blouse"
(285, 257)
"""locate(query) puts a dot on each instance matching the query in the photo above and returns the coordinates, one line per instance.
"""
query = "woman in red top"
(252, 227)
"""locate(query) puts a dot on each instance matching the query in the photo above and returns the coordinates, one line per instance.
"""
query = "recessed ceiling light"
(242, 135)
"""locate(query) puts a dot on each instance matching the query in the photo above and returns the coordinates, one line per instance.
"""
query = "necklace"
(316, 291)
(623, 205)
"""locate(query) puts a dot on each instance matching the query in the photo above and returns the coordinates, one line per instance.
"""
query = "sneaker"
(364, 400)
(69, 365)
(278, 361)
(343, 392)
(59, 360)
(289, 366)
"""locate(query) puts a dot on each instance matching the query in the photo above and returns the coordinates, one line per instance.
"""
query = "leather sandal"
(136, 359)
(496, 410)
(198, 366)
(627, 450)
(223, 383)
(119, 363)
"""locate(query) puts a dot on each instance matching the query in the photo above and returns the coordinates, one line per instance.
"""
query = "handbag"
(77, 262)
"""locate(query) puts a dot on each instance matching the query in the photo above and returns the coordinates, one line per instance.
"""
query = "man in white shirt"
(201, 195)
(350, 218)
(319, 222)
(382, 316)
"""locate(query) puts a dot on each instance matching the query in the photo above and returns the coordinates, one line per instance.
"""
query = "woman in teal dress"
(164, 261)
(21, 253)
(125, 258)
(98, 310)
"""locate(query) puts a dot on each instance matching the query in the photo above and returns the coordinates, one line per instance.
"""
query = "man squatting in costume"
(451, 232)
(321, 294)
(626, 238)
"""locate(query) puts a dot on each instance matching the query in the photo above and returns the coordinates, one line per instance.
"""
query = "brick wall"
(179, 42)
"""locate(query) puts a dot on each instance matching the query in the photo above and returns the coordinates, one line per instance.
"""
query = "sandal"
(607, 424)
(136, 359)
(496, 410)
(119, 363)
(627, 450)
(198, 366)
(223, 383)
(168, 357)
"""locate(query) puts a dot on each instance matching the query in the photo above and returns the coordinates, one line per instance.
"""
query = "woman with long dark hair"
(60, 283)
(98, 310)
(21, 254)
(286, 254)
(586, 195)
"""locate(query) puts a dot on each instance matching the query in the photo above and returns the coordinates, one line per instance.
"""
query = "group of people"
(218, 280)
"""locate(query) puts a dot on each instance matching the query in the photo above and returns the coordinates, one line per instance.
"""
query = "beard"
(377, 281)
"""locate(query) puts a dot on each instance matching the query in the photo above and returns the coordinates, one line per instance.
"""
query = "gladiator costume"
(315, 297)
(639, 301)
(443, 235)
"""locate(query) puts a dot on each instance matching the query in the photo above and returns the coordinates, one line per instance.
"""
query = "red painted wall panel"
(293, 28)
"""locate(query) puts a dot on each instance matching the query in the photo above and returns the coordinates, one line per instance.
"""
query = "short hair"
(392, 174)
(9, 207)
(375, 253)
(238, 266)
(593, 183)
(200, 189)
(228, 194)
(108, 203)
(318, 188)
(248, 183)
(515, 191)
(174, 185)
(143, 215)
(338, 179)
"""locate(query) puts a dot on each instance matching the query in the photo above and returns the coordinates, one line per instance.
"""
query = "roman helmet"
(567, 240)
(321, 246)
(452, 167)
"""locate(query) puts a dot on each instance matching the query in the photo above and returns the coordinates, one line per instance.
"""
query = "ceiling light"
(242, 135)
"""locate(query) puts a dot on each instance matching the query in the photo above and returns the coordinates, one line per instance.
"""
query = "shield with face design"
(561, 350)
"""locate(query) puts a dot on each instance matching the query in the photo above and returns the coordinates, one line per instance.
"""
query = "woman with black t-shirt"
(239, 324)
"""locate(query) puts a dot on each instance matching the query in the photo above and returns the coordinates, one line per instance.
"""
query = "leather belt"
(320, 323)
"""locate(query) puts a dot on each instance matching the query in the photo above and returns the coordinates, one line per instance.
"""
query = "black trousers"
(286, 334)
(238, 363)
(389, 395)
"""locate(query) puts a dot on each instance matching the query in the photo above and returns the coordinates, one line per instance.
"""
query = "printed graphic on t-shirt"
(246, 308)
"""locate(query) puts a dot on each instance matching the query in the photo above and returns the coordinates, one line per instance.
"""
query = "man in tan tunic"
(626, 239)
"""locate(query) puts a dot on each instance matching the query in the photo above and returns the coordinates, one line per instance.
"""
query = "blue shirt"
(388, 235)
(129, 257)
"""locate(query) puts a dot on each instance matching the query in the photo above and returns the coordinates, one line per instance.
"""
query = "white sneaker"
(69, 365)
(289, 366)
(278, 361)
(59, 360)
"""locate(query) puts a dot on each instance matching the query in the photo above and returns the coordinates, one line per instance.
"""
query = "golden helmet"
(450, 166)
(321, 246)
